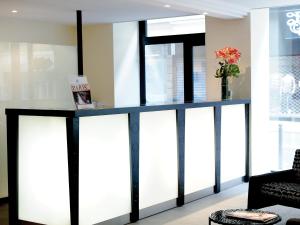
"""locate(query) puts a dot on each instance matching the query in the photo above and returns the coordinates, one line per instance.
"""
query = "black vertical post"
(180, 117)
(280, 145)
(247, 138)
(72, 125)
(79, 42)
(134, 127)
(142, 37)
(188, 72)
(217, 120)
(12, 125)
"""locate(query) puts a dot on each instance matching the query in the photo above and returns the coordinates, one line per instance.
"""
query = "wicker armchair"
(281, 187)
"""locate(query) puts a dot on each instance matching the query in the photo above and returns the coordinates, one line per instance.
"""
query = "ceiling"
(104, 11)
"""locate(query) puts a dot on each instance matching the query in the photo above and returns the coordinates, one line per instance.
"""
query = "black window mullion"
(188, 72)
(142, 39)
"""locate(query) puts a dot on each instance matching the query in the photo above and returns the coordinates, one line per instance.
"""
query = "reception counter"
(113, 166)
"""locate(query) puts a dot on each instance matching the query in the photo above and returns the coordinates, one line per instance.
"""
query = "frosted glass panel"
(199, 149)
(43, 171)
(233, 142)
(158, 158)
(32, 75)
(104, 185)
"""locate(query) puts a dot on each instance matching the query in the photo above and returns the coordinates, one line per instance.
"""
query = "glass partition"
(36, 75)
(33, 75)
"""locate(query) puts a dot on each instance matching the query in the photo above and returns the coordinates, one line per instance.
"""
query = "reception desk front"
(113, 166)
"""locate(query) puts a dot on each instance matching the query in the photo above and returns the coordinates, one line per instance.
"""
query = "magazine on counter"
(81, 92)
(252, 215)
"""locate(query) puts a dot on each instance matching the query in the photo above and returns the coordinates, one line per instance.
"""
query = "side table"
(220, 217)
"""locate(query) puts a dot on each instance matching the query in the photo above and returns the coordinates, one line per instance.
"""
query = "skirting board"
(198, 195)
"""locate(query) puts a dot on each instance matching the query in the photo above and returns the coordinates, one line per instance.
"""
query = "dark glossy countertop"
(119, 110)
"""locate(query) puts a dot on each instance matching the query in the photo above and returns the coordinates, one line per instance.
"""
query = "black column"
(79, 42)
(180, 117)
(12, 124)
(142, 36)
(247, 139)
(188, 72)
(134, 128)
(217, 120)
(73, 164)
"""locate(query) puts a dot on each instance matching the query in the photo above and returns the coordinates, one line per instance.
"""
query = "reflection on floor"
(194, 213)
(3, 214)
(197, 212)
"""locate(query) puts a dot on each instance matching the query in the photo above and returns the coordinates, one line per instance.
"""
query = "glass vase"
(226, 93)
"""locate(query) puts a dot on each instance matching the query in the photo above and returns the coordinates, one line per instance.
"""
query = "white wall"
(25, 81)
(126, 64)
(16, 30)
(98, 61)
(219, 34)
(261, 139)
(111, 62)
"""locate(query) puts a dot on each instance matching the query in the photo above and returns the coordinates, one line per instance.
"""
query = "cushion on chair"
(282, 191)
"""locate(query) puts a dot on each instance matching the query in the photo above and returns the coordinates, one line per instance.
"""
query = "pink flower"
(232, 55)
(229, 58)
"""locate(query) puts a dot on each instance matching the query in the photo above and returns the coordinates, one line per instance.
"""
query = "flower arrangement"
(229, 62)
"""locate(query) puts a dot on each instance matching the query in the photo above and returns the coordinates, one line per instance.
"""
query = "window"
(275, 94)
(285, 82)
(172, 67)
(164, 73)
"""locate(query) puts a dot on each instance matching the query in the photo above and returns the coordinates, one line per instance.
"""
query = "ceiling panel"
(102, 11)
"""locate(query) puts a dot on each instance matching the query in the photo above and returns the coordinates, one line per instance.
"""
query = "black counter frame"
(72, 129)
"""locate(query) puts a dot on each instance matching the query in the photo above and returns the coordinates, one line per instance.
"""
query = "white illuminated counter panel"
(113, 166)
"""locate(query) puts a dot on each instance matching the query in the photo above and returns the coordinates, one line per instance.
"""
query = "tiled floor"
(194, 213)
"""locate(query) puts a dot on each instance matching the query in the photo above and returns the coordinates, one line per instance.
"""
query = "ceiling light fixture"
(205, 13)
(167, 6)
(14, 11)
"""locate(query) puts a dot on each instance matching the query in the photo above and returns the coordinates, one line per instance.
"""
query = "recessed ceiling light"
(205, 13)
(14, 11)
(167, 6)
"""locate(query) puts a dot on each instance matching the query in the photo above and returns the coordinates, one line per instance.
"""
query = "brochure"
(81, 92)
(252, 215)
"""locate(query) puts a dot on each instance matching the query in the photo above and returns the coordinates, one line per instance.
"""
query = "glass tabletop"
(221, 217)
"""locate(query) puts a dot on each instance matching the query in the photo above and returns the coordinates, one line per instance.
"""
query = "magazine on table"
(252, 215)
(81, 92)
